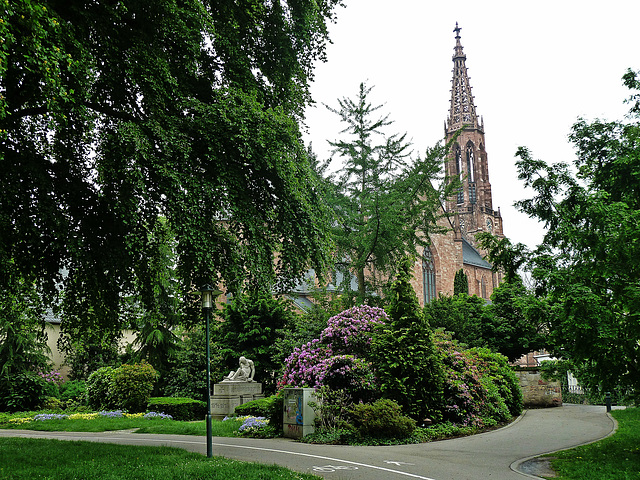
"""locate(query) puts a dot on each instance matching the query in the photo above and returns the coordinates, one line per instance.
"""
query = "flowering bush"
(338, 356)
(251, 425)
(472, 398)
(53, 377)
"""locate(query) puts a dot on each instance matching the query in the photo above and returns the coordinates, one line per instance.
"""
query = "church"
(469, 212)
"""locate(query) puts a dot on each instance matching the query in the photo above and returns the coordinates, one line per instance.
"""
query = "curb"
(516, 466)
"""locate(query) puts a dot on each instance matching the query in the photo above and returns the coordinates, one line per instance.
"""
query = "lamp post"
(208, 294)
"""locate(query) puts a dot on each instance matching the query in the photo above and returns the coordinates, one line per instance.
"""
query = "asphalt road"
(499, 455)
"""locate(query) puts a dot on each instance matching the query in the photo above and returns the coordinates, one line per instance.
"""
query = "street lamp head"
(208, 294)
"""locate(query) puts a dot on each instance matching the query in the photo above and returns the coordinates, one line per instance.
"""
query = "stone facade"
(538, 392)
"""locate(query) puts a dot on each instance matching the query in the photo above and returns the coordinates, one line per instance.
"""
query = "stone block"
(237, 388)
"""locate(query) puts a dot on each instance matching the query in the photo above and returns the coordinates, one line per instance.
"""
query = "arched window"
(471, 167)
(428, 276)
(483, 287)
(459, 173)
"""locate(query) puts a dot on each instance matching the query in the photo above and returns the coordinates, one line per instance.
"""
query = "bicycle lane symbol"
(333, 468)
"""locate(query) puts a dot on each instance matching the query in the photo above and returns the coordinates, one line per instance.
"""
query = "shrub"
(406, 360)
(349, 333)
(98, 385)
(180, 408)
(74, 392)
(131, 386)
(25, 391)
(332, 409)
(380, 419)
(496, 368)
(52, 403)
(269, 407)
(255, 408)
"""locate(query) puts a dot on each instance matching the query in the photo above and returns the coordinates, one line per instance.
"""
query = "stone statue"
(244, 373)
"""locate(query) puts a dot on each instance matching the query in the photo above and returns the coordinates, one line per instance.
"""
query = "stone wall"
(538, 392)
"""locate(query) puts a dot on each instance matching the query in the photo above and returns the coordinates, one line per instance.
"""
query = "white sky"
(535, 67)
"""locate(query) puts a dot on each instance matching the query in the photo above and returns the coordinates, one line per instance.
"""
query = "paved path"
(496, 455)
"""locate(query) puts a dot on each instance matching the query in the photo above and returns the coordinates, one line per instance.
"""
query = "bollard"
(607, 397)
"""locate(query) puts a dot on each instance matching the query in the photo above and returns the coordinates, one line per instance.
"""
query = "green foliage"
(383, 418)
(460, 283)
(187, 374)
(23, 345)
(74, 392)
(479, 389)
(118, 117)
(98, 389)
(269, 407)
(512, 324)
(588, 265)
(186, 409)
(496, 370)
(25, 391)
(405, 359)
(462, 315)
(332, 409)
(385, 204)
(131, 386)
(252, 324)
(53, 404)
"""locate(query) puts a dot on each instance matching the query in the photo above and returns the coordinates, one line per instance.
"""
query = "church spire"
(462, 111)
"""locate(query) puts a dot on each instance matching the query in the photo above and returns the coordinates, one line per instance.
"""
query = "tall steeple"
(472, 206)
(462, 111)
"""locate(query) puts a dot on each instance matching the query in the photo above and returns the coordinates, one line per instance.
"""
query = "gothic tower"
(472, 206)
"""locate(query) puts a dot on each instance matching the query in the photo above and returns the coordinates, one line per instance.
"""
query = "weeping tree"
(114, 115)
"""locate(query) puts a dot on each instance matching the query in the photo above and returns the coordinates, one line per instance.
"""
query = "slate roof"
(471, 256)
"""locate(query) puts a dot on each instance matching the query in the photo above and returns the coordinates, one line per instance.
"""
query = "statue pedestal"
(228, 395)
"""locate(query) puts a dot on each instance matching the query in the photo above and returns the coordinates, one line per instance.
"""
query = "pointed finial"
(457, 30)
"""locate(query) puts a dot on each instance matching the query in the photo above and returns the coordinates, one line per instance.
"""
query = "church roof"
(471, 256)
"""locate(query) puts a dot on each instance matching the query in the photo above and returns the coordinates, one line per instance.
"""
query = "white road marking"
(246, 447)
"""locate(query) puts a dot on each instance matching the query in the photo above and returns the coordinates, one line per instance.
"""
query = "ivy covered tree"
(589, 262)
(385, 204)
(114, 115)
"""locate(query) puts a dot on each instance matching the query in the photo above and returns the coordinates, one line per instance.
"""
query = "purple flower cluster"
(113, 414)
(164, 416)
(465, 394)
(337, 352)
(53, 376)
(253, 423)
(41, 417)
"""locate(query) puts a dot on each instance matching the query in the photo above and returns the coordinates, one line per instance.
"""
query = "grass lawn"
(25, 458)
(614, 458)
(141, 425)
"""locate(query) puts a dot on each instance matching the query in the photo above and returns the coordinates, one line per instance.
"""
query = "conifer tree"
(385, 202)
(460, 283)
(407, 364)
